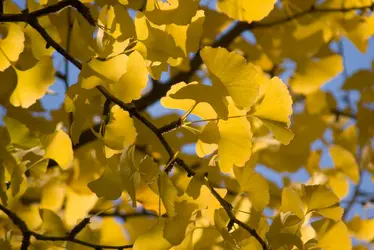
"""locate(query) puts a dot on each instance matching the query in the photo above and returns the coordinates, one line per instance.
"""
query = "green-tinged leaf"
(20, 135)
(167, 192)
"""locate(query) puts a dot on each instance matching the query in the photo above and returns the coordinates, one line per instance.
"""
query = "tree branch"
(153, 96)
(159, 90)
(27, 233)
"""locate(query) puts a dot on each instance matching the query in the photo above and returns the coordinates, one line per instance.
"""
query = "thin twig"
(27, 233)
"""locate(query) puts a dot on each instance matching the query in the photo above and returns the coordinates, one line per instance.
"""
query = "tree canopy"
(182, 117)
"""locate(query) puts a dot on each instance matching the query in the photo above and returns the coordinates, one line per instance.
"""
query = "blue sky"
(354, 61)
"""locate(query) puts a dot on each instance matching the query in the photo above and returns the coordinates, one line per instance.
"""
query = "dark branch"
(28, 233)
(159, 89)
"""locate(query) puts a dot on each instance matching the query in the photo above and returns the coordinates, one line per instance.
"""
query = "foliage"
(102, 172)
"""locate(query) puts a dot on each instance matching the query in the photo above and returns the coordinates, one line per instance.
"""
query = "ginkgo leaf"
(320, 199)
(158, 43)
(338, 183)
(109, 185)
(291, 202)
(11, 44)
(234, 140)
(117, 29)
(275, 110)
(362, 229)
(149, 170)
(129, 87)
(168, 193)
(249, 11)
(178, 12)
(208, 140)
(120, 131)
(344, 160)
(153, 239)
(332, 235)
(33, 84)
(311, 75)
(202, 109)
(52, 223)
(16, 170)
(129, 171)
(232, 75)
(99, 72)
(234, 146)
(313, 198)
(112, 232)
(53, 195)
(254, 185)
(197, 92)
(20, 135)
(77, 206)
(59, 148)
(175, 227)
(220, 221)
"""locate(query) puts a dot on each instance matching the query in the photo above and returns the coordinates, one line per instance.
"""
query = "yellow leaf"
(220, 220)
(178, 12)
(345, 161)
(215, 22)
(320, 199)
(234, 140)
(129, 87)
(311, 75)
(53, 195)
(232, 75)
(129, 171)
(202, 109)
(20, 135)
(235, 144)
(98, 72)
(254, 185)
(275, 110)
(120, 131)
(348, 139)
(175, 227)
(153, 239)
(313, 161)
(338, 183)
(109, 185)
(291, 202)
(52, 223)
(77, 206)
(112, 232)
(332, 235)
(59, 148)
(197, 92)
(249, 11)
(33, 83)
(118, 29)
(158, 43)
(208, 140)
(168, 193)
(11, 44)
(362, 229)
(316, 102)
